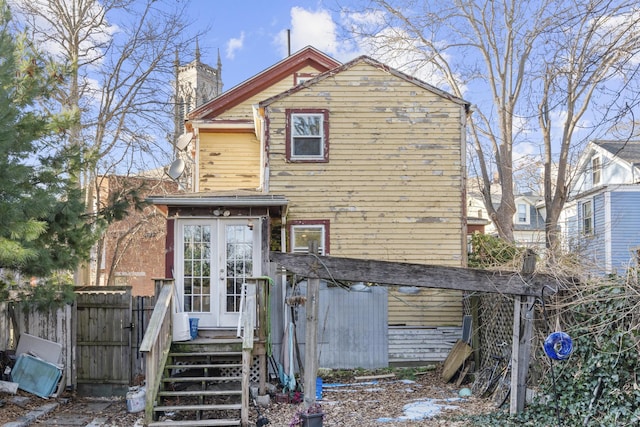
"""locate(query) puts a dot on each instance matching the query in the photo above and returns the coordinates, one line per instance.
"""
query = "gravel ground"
(346, 402)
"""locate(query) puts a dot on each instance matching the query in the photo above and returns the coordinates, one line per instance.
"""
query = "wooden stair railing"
(156, 344)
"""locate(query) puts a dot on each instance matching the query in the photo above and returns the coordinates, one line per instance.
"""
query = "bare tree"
(518, 63)
(122, 58)
(121, 54)
(589, 77)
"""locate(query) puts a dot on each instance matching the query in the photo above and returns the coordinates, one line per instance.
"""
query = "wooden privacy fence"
(100, 336)
(54, 325)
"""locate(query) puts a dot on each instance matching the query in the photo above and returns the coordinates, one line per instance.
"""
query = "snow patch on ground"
(423, 409)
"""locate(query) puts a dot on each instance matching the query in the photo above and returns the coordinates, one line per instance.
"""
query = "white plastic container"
(135, 399)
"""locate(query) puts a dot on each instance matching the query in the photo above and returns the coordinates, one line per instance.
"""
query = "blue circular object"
(558, 346)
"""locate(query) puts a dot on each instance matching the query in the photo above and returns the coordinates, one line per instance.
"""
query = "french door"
(213, 258)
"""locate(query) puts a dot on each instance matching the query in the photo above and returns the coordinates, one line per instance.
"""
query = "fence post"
(522, 335)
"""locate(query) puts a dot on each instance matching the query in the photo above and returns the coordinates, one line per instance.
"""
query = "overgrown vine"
(599, 385)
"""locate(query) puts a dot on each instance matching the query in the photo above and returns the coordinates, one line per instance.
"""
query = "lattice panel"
(495, 314)
(236, 371)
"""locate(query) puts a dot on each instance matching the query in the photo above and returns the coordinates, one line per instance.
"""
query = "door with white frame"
(213, 258)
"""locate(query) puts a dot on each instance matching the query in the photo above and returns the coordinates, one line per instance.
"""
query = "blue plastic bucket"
(318, 388)
(193, 327)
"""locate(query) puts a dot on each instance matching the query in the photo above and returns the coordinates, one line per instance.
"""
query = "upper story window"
(596, 170)
(523, 213)
(307, 135)
(587, 217)
(302, 77)
(304, 232)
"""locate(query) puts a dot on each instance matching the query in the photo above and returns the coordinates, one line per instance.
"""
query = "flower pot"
(312, 420)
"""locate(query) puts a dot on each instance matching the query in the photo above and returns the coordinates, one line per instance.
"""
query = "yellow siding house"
(365, 159)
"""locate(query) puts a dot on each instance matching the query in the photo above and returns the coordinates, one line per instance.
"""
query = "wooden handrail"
(156, 344)
(163, 302)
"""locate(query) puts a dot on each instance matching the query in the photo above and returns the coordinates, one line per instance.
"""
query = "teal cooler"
(35, 375)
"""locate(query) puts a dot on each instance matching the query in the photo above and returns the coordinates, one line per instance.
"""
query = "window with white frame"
(587, 217)
(596, 170)
(302, 77)
(307, 135)
(523, 213)
(305, 232)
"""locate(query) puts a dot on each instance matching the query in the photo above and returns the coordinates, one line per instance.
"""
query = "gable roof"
(628, 151)
(308, 56)
(373, 63)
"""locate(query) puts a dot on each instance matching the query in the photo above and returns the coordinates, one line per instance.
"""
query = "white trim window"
(307, 135)
(587, 218)
(303, 234)
(596, 170)
(522, 216)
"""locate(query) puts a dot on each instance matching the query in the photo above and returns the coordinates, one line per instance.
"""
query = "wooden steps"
(201, 385)
(195, 423)
(197, 393)
(198, 407)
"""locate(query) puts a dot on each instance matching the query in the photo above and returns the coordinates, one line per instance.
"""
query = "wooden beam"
(405, 274)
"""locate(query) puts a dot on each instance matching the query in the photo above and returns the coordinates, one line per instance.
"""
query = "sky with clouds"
(252, 36)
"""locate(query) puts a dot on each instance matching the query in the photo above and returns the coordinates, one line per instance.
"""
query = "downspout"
(196, 162)
(465, 113)
(259, 126)
(283, 281)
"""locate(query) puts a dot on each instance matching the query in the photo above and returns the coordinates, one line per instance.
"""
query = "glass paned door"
(213, 258)
(197, 268)
(239, 265)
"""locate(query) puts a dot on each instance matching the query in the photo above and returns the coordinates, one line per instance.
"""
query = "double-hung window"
(596, 170)
(523, 213)
(587, 218)
(308, 135)
(304, 232)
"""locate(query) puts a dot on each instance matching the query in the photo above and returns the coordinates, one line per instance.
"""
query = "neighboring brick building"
(133, 249)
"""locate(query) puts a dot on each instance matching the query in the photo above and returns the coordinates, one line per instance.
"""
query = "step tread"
(198, 379)
(199, 392)
(225, 407)
(210, 341)
(196, 423)
(204, 365)
(204, 353)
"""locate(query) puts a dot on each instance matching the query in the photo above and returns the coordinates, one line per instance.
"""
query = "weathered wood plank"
(311, 342)
(404, 274)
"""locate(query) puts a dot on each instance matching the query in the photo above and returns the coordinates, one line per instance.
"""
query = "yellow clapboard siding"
(430, 307)
(230, 161)
(394, 183)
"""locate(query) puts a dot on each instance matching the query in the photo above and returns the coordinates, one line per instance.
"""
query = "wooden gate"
(103, 340)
